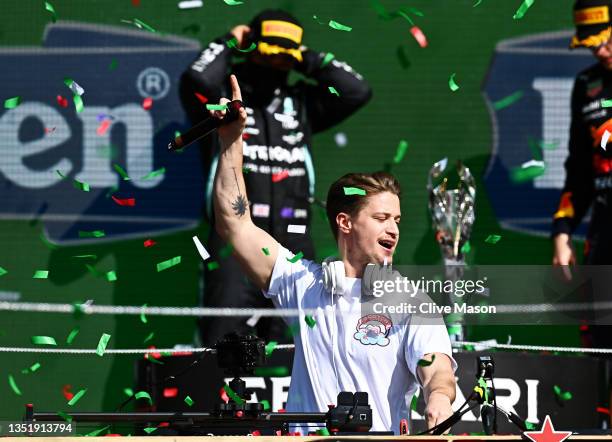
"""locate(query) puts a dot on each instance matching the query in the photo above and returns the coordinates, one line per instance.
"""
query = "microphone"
(205, 127)
(487, 414)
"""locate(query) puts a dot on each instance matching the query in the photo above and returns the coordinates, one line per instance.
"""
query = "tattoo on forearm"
(240, 204)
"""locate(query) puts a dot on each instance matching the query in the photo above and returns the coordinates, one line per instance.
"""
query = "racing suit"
(588, 182)
(278, 167)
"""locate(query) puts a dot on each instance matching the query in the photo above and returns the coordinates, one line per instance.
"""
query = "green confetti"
(523, 174)
(3, 271)
(121, 172)
(73, 333)
(323, 432)
(111, 276)
(562, 395)
(233, 43)
(92, 234)
(520, 12)
(13, 384)
(354, 191)
(161, 266)
(232, 394)
(508, 101)
(216, 106)
(155, 173)
(49, 7)
(466, 248)
(96, 432)
(451, 83)
(143, 25)
(414, 402)
(143, 318)
(270, 346)
(32, 368)
(530, 426)
(212, 265)
(477, 3)
(233, 2)
(310, 321)
(271, 371)
(402, 147)
(296, 258)
(149, 337)
(188, 401)
(43, 340)
(81, 186)
(245, 170)
(12, 103)
(328, 58)
(41, 274)
(144, 395)
(265, 403)
(150, 430)
(77, 397)
(85, 256)
(113, 65)
(468, 347)
(339, 27)
(128, 392)
(78, 103)
(65, 416)
(425, 362)
(404, 15)
(606, 103)
(333, 91)
(265, 251)
(492, 239)
(102, 343)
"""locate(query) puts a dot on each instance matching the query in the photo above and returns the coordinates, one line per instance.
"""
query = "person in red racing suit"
(278, 168)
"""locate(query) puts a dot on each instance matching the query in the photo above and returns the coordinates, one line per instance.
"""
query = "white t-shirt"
(385, 368)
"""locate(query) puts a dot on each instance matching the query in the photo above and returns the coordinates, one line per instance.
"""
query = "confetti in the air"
(102, 343)
(296, 258)
(310, 321)
(354, 191)
(111, 276)
(201, 250)
(466, 248)
(73, 333)
(425, 362)
(81, 186)
(562, 395)
(62, 101)
(277, 177)
(43, 340)
(271, 371)
(12, 103)
(41, 274)
(168, 263)
(103, 127)
(149, 430)
(188, 401)
(453, 86)
(92, 234)
(155, 173)
(265, 251)
(190, 4)
(78, 103)
(139, 24)
(419, 36)
(121, 172)
(32, 368)
(493, 239)
(520, 12)
(327, 59)
(94, 433)
(233, 2)
(216, 107)
(74, 86)
(341, 139)
(270, 346)
(232, 394)
(265, 403)
(77, 397)
(149, 243)
(147, 103)
(129, 202)
(339, 26)
(49, 7)
(13, 385)
(333, 91)
(296, 228)
(3, 271)
(212, 265)
(604, 139)
(507, 101)
(402, 147)
(232, 43)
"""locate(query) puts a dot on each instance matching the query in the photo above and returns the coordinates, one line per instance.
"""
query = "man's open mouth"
(387, 244)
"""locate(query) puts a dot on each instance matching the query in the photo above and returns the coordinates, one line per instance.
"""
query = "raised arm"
(232, 213)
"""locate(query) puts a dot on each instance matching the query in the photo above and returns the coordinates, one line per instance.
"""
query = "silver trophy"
(452, 214)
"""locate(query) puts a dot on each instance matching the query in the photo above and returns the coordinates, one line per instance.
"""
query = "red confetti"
(67, 393)
(103, 127)
(201, 97)
(113, 435)
(223, 395)
(170, 392)
(245, 136)
(149, 243)
(152, 355)
(281, 410)
(603, 410)
(163, 424)
(124, 201)
(62, 101)
(256, 433)
(136, 3)
(276, 177)
(49, 131)
(419, 36)
(147, 103)
(279, 433)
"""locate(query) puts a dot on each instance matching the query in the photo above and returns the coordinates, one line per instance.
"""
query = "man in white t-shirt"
(345, 350)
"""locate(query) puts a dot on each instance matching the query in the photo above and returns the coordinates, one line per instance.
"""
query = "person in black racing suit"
(278, 168)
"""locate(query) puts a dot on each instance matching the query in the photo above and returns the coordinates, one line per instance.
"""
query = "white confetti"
(296, 228)
(203, 252)
(75, 88)
(190, 4)
(604, 139)
(341, 139)
(530, 163)
(253, 320)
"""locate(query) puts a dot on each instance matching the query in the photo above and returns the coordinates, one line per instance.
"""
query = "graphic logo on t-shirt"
(373, 330)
